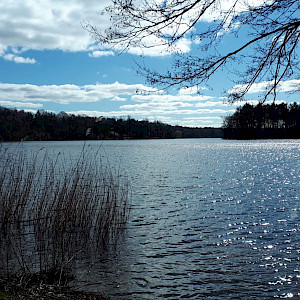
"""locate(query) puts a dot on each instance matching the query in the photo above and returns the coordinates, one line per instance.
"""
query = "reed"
(55, 209)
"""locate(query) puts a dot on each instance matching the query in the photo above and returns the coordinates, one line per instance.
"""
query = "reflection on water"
(210, 219)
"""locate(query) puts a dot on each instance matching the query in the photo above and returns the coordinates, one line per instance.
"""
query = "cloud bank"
(184, 109)
(284, 86)
(68, 93)
(57, 25)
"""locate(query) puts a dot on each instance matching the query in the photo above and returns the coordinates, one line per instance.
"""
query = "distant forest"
(18, 125)
(263, 121)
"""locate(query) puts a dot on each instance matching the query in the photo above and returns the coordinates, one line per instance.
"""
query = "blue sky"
(48, 61)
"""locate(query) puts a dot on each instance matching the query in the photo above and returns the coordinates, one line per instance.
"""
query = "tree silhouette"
(264, 121)
(18, 125)
(268, 54)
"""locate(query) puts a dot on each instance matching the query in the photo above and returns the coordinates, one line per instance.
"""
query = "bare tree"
(267, 52)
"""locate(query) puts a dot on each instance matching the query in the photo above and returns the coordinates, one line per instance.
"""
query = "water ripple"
(210, 219)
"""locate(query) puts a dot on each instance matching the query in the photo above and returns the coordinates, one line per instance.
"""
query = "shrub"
(53, 209)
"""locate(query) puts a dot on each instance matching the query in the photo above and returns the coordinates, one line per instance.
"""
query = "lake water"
(210, 219)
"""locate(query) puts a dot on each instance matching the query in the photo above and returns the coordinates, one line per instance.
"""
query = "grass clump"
(30, 287)
(55, 210)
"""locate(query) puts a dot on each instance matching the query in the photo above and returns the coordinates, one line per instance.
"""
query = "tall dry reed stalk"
(53, 211)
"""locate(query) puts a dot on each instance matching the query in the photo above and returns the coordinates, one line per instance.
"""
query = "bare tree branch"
(273, 36)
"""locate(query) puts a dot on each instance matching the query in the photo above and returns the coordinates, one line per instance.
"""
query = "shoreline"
(13, 287)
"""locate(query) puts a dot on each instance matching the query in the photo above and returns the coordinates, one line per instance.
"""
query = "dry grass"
(20, 287)
(52, 211)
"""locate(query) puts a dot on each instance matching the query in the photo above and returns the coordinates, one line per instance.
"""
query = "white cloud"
(211, 104)
(174, 107)
(193, 90)
(289, 86)
(67, 93)
(90, 113)
(164, 119)
(205, 121)
(33, 111)
(118, 99)
(155, 106)
(220, 10)
(147, 110)
(169, 108)
(192, 121)
(56, 24)
(98, 53)
(15, 104)
(217, 11)
(202, 118)
(284, 86)
(2, 49)
(48, 24)
(19, 59)
(188, 90)
(170, 98)
(214, 111)
(160, 49)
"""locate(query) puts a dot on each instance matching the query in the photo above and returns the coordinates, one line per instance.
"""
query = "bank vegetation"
(55, 210)
(16, 125)
(263, 121)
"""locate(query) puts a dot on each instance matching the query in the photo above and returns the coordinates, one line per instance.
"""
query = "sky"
(48, 61)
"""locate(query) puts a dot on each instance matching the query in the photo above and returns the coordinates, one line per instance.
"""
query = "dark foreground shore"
(18, 287)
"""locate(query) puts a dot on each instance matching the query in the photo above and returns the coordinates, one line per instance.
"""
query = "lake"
(210, 219)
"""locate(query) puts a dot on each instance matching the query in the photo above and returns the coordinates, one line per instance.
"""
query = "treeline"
(18, 125)
(263, 121)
